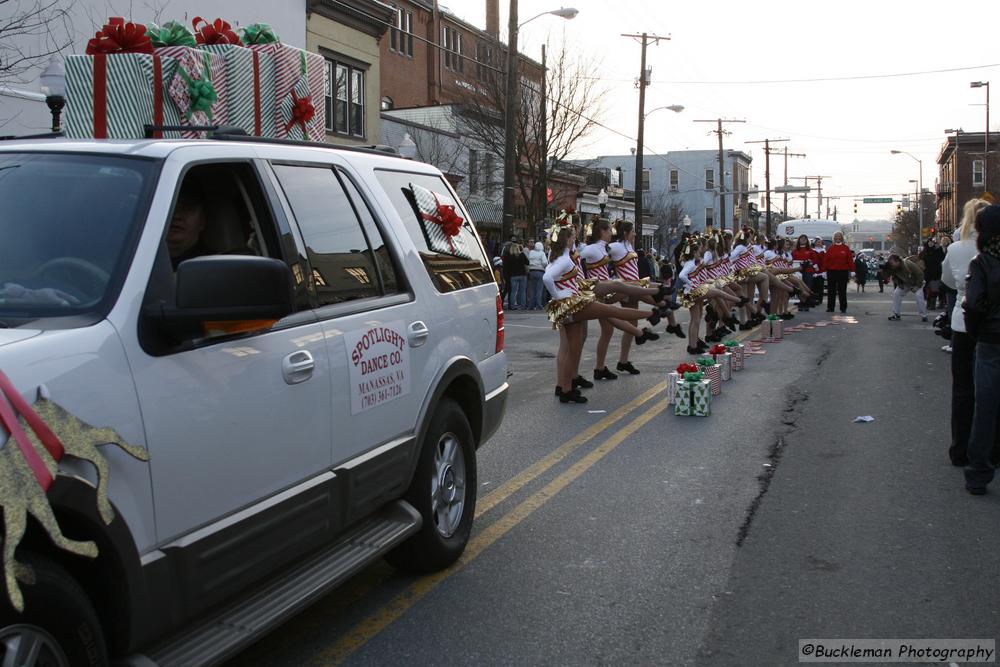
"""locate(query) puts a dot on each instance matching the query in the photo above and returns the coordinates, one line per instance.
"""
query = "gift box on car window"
(119, 85)
(445, 231)
(694, 396)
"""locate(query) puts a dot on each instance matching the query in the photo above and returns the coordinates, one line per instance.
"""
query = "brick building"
(961, 177)
(432, 57)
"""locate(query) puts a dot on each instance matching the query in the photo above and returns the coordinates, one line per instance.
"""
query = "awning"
(486, 214)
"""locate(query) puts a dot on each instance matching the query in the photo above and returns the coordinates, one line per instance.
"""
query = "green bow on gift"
(731, 343)
(171, 33)
(203, 96)
(694, 377)
(705, 361)
(773, 317)
(259, 33)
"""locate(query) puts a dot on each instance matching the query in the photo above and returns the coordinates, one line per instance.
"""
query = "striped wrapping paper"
(427, 203)
(195, 64)
(304, 74)
(250, 81)
(111, 96)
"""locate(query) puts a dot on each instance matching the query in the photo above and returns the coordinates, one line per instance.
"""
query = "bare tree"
(667, 213)
(906, 232)
(31, 32)
(575, 106)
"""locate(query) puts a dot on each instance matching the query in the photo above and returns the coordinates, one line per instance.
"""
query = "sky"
(720, 56)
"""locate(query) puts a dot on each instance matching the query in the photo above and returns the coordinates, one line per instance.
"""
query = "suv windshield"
(66, 225)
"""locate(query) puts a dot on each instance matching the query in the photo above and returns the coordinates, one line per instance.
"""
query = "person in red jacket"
(838, 263)
(809, 261)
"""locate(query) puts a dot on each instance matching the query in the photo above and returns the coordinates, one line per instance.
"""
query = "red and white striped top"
(625, 260)
(560, 277)
(745, 261)
(595, 260)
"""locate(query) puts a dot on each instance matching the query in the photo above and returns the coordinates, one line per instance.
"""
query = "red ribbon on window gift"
(687, 368)
(718, 349)
(117, 36)
(451, 222)
(216, 32)
(302, 112)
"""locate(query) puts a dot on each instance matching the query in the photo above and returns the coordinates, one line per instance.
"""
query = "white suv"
(261, 365)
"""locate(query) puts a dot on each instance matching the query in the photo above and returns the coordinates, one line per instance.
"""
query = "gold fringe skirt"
(561, 311)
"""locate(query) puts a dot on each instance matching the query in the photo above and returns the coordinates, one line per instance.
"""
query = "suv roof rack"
(44, 135)
(232, 133)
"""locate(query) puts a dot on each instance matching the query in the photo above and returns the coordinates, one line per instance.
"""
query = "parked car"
(241, 422)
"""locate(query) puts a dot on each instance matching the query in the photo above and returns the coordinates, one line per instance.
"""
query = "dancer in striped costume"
(570, 307)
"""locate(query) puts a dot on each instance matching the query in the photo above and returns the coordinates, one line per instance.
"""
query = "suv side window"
(338, 252)
(448, 272)
(383, 257)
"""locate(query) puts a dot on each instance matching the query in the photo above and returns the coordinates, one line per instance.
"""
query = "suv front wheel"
(443, 490)
(59, 627)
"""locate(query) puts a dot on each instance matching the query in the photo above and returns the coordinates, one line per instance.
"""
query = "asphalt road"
(616, 532)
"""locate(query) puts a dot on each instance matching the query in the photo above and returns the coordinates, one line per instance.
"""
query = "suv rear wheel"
(443, 490)
(59, 627)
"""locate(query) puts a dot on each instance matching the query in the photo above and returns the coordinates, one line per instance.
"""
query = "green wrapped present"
(694, 398)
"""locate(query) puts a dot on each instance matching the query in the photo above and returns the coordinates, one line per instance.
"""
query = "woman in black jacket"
(932, 256)
(982, 320)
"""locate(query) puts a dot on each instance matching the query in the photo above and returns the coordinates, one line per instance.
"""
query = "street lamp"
(986, 139)
(687, 222)
(511, 110)
(53, 85)
(676, 108)
(602, 200)
(920, 194)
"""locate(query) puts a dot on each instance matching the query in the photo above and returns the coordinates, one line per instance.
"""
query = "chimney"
(493, 19)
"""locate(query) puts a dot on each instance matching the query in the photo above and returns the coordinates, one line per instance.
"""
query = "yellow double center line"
(373, 624)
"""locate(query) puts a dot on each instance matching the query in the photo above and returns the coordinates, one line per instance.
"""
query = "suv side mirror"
(225, 288)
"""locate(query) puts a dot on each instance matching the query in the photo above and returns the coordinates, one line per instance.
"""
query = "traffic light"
(855, 208)
(899, 209)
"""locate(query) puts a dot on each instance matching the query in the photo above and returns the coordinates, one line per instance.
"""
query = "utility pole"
(767, 178)
(788, 155)
(543, 170)
(644, 39)
(722, 172)
(510, 115)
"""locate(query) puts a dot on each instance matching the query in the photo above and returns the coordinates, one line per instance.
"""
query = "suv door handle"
(417, 333)
(297, 367)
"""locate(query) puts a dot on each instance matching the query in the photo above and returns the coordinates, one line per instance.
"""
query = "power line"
(857, 77)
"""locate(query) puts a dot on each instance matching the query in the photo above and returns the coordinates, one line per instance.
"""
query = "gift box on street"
(773, 329)
(713, 373)
(723, 357)
(694, 396)
(300, 91)
(738, 350)
(119, 86)
(675, 378)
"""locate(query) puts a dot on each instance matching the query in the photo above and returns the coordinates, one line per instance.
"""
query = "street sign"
(787, 189)
(877, 200)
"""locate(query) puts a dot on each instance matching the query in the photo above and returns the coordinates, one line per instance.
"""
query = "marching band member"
(691, 294)
(752, 278)
(570, 307)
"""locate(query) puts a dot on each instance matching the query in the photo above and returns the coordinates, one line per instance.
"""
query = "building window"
(709, 216)
(484, 61)
(387, 103)
(488, 168)
(977, 173)
(401, 33)
(452, 42)
(674, 177)
(473, 171)
(345, 99)
(709, 179)
(645, 180)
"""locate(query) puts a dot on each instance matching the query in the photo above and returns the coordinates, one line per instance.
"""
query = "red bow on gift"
(718, 349)
(302, 112)
(117, 36)
(687, 368)
(216, 32)
(450, 221)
